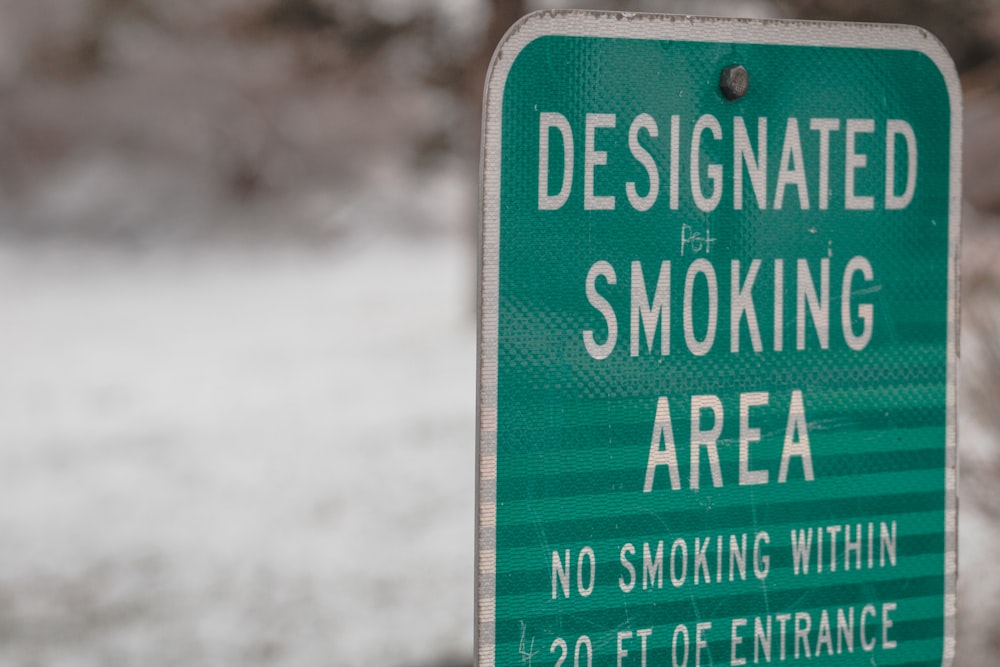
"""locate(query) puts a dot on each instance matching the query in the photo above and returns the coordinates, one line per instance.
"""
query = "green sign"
(717, 344)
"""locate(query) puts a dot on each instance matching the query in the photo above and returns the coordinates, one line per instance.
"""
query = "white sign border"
(627, 25)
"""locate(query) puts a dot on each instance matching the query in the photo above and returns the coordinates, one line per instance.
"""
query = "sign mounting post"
(718, 330)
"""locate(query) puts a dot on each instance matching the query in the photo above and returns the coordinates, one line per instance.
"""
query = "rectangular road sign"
(717, 344)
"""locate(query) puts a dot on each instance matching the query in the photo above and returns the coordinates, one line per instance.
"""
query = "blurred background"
(237, 314)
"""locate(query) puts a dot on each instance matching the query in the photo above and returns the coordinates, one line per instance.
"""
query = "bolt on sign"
(717, 344)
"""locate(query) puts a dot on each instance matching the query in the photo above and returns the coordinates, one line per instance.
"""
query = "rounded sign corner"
(928, 43)
(510, 45)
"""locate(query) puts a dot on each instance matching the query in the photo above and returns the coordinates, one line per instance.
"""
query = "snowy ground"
(250, 456)
(237, 458)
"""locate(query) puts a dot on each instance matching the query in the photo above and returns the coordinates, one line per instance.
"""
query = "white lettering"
(662, 432)
(643, 203)
(652, 567)
(819, 305)
(824, 126)
(756, 164)
(703, 267)
(748, 435)
(735, 640)
(709, 203)
(865, 310)
(627, 587)
(796, 440)
(588, 553)
(705, 438)
(792, 169)
(602, 350)
(593, 158)
(548, 121)
(650, 314)
(855, 161)
(675, 161)
(560, 573)
(893, 129)
(740, 304)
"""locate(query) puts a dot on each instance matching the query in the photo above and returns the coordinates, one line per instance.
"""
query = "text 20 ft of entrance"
(717, 344)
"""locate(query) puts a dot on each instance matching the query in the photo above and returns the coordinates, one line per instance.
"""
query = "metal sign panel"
(717, 344)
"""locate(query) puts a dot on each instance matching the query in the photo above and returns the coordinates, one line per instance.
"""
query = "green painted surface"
(574, 432)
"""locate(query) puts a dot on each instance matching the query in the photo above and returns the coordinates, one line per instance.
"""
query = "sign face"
(717, 344)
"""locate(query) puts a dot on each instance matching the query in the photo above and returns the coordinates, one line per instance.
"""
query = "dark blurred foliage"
(161, 113)
(158, 116)
(968, 28)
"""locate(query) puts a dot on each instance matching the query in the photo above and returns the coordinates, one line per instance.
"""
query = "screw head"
(734, 82)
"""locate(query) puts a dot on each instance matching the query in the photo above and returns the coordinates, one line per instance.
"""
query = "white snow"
(238, 457)
(252, 456)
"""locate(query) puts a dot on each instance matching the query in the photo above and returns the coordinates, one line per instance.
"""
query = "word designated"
(827, 136)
